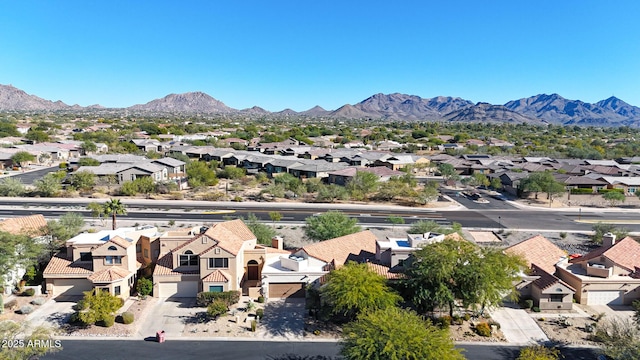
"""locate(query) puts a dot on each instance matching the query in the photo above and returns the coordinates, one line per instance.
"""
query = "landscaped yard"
(235, 323)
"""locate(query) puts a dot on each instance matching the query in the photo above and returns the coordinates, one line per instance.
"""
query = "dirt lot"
(573, 331)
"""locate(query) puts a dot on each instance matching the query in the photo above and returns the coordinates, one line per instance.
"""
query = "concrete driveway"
(54, 312)
(283, 320)
(517, 326)
(621, 312)
(170, 315)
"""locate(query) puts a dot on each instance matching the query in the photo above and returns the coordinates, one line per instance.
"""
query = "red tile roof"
(120, 241)
(545, 279)
(34, 225)
(110, 274)
(624, 253)
(357, 247)
(60, 265)
(217, 276)
(230, 235)
(385, 271)
(540, 251)
(164, 266)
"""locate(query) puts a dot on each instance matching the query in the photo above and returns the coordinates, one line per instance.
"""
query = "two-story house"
(106, 260)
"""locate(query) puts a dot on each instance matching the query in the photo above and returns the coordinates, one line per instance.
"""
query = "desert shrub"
(108, 321)
(254, 325)
(11, 304)
(466, 317)
(261, 299)
(127, 317)
(217, 308)
(26, 309)
(535, 309)
(457, 320)
(483, 329)
(75, 318)
(29, 292)
(563, 235)
(260, 313)
(494, 323)
(527, 304)
(144, 287)
(81, 305)
(38, 301)
(443, 321)
(227, 297)
(581, 191)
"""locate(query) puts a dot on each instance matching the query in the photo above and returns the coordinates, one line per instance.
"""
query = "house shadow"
(284, 318)
(183, 302)
(58, 319)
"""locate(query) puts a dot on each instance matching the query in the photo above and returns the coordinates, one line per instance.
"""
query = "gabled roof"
(120, 241)
(60, 265)
(164, 266)
(33, 225)
(540, 251)
(169, 162)
(357, 247)
(545, 279)
(624, 253)
(385, 271)
(108, 275)
(230, 235)
(217, 276)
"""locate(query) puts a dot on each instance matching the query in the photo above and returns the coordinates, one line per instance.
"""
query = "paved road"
(252, 350)
(30, 176)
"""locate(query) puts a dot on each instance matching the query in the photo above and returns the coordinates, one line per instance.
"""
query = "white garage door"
(604, 298)
(74, 287)
(179, 289)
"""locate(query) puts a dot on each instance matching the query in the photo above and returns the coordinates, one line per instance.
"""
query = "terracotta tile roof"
(385, 271)
(33, 225)
(109, 275)
(230, 235)
(545, 279)
(164, 266)
(357, 247)
(540, 251)
(120, 241)
(217, 276)
(624, 253)
(60, 265)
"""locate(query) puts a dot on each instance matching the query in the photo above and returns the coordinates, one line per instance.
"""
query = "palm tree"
(114, 207)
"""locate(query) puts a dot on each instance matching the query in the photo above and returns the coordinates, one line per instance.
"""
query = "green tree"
(87, 161)
(362, 184)
(428, 194)
(614, 197)
(263, 233)
(496, 183)
(329, 225)
(83, 180)
(200, 174)
(232, 172)
(395, 334)
(395, 220)
(144, 287)
(97, 210)
(620, 339)
(48, 185)
(600, 228)
(275, 216)
(355, 288)
(22, 158)
(141, 185)
(100, 306)
(89, 147)
(37, 136)
(18, 251)
(448, 171)
(331, 193)
(538, 352)
(66, 227)
(425, 226)
(114, 207)
(479, 179)
(289, 182)
(13, 187)
(13, 332)
(542, 182)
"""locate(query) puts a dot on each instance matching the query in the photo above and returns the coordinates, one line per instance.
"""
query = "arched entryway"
(253, 270)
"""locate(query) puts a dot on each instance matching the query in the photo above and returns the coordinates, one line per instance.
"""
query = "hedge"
(604, 191)
(205, 298)
(581, 191)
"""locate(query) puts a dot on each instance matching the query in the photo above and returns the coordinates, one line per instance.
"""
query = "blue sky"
(297, 54)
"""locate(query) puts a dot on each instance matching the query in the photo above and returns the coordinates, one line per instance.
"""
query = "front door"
(253, 270)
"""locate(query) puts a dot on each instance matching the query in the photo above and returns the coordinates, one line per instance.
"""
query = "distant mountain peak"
(190, 102)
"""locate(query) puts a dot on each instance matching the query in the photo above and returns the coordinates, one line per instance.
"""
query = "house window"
(113, 260)
(188, 259)
(116, 290)
(146, 253)
(112, 248)
(138, 247)
(556, 297)
(216, 288)
(401, 262)
(86, 256)
(218, 263)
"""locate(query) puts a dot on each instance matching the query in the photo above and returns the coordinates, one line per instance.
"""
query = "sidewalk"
(518, 327)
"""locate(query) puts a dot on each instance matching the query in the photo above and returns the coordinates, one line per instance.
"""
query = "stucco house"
(105, 260)
(393, 252)
(540, 284)
(609, 275)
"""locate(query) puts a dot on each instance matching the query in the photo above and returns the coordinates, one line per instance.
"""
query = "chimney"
(608, 240)
(276, 242)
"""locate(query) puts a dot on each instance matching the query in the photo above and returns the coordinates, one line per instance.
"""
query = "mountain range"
(538, 109)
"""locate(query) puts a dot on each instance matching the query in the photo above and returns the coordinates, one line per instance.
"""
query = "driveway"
(517, 326)
(283, 319)
(620, 312)
(170, 315)
(54, 312)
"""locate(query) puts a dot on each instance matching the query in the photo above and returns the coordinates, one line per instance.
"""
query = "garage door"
(604, 298)
(72, 287)
(179, 289)
(286, 290)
